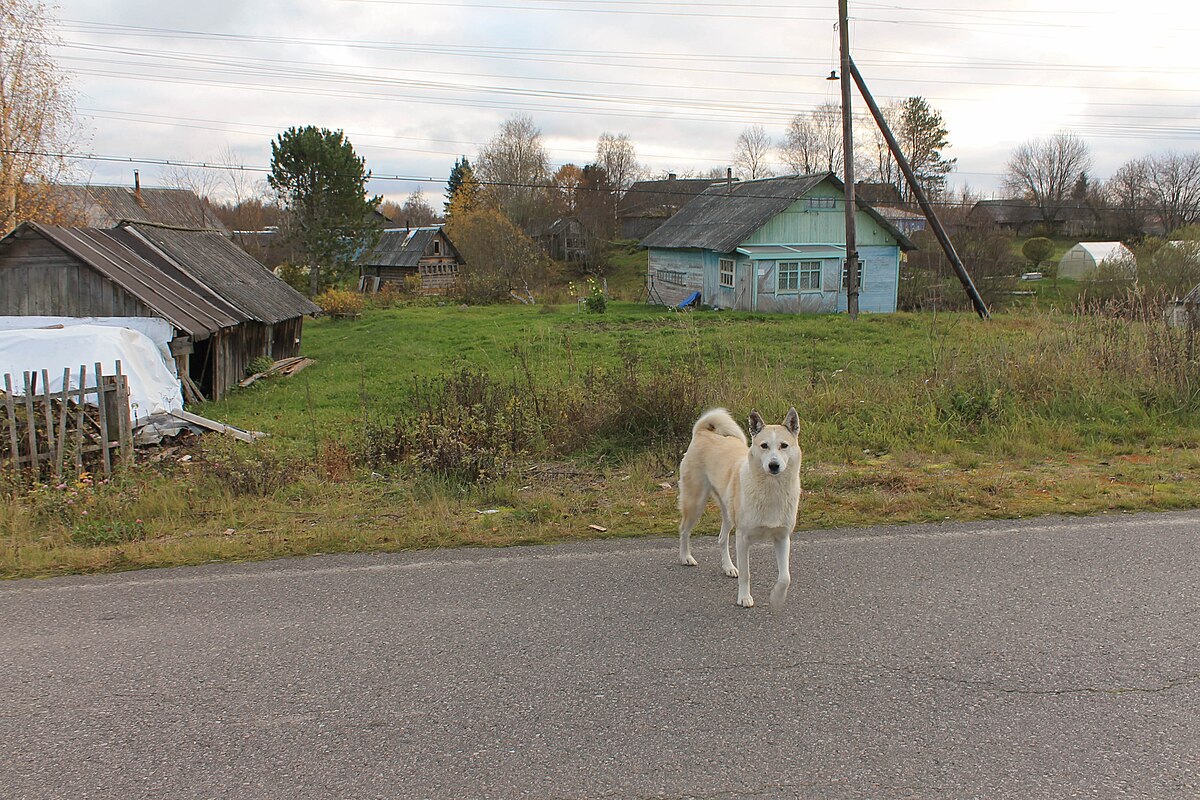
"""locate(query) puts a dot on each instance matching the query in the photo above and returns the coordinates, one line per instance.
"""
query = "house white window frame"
(821, 203)
(862, 276)
(726, 278)
(806, 271)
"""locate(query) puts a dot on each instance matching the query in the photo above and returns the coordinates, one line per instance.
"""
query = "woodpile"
(286, 367)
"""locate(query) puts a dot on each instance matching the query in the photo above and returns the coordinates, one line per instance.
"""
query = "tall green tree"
(461, 189)
(322, 186)
(923, 136)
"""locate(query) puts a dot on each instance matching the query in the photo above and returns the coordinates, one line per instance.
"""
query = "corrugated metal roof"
(724, 216)
(214, 262)
(401, 247)
(112, 253)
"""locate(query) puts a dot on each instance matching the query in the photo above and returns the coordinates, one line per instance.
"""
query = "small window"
(822, 202)
(862, 276)
(437, 247)
(799, 276)
(727, 273)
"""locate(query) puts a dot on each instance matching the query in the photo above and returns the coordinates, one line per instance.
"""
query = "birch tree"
(37, 115)
(752, 152)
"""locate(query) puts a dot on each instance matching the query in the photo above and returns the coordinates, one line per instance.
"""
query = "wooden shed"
(226, 308)
(402, 253)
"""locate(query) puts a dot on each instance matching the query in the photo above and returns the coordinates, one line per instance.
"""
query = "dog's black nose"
(774, 468)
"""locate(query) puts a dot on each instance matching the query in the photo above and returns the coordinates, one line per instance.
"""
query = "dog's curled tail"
(718, 421)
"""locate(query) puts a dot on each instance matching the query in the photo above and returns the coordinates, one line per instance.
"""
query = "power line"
(183, 164)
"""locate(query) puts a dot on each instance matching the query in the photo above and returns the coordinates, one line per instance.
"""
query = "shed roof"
(402, 247)
(1008, 211)
(114, 254)
(724, 216)
(660, 197)
(108, 206)
(216, 263)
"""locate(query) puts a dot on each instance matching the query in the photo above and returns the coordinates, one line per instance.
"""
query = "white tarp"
(156, 328)
(153, 389)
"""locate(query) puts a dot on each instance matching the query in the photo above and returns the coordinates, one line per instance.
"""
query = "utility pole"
(848, 163)
(849, 68)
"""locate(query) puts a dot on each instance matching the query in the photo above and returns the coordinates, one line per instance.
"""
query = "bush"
(340, 303)
(1037, 250)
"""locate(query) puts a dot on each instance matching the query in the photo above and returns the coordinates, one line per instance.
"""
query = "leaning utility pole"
(849, 71)
(848, 164)
(943, 238)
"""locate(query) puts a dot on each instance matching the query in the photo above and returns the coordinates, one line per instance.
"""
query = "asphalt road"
(1046, 658)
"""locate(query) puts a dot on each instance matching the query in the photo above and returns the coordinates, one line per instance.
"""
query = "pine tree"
(321, 184)
(462, 190)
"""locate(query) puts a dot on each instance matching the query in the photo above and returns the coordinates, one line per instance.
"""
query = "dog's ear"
(792, 422)
(756, 423)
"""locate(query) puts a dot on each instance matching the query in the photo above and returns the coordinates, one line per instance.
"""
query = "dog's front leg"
(742, 546)
(783, 552)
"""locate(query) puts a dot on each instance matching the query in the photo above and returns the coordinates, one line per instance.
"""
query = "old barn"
(226, 308)
(425, 255)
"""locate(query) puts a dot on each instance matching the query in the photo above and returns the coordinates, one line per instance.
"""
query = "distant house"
(648, 204)
(109, 206)
(1085, 261)
(1014, 215)
(879, 195)
(225, 308)
(566, 239)
(776, 244)
(907, 222)
(402, 253)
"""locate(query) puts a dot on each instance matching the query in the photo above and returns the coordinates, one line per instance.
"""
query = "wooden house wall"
(674, 275)
(39, 279)
(285, 338)
(799, 224)
(438, 274)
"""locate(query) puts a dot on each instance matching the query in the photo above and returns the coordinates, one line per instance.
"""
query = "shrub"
(340, 303)
(259, 364)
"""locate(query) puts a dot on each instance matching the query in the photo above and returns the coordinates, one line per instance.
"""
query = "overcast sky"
(417, 84)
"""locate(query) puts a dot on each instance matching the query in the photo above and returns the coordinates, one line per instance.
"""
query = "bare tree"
(1172, 188)
(615, 154)
(37, 122)
(1124, 197)
(1044, 171)
(512, 169)
(813, 141)
(751, 153)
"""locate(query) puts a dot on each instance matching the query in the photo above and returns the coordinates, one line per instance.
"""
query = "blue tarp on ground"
(692, 299)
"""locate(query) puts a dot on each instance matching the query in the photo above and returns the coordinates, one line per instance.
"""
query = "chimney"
(137, 188)
(670, 176)
(729, 180)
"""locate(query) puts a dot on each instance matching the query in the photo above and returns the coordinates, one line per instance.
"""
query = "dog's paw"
(688, 561)
(730, 571)
(746, 601)
(778, 596)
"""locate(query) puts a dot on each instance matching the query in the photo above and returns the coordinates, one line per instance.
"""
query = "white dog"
(758, 490)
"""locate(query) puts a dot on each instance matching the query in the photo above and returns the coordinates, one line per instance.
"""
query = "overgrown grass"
(415, 420)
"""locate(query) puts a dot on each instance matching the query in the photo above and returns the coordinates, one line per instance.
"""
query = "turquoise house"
(776, 245)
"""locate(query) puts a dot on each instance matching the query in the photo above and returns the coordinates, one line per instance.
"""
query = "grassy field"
(422, 426)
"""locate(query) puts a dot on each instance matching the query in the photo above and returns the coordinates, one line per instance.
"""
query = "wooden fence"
(87, 427)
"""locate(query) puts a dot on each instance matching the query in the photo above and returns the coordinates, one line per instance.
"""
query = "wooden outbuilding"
(225, 307)
(402, 253)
